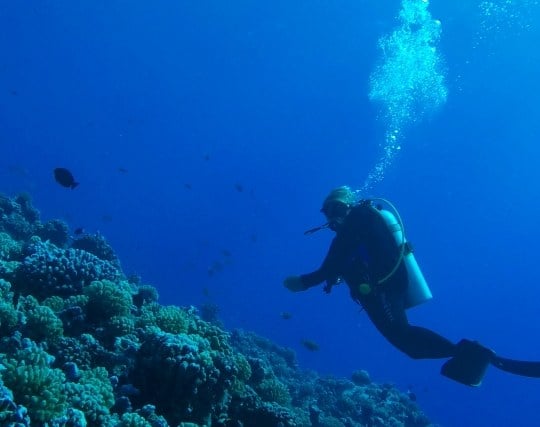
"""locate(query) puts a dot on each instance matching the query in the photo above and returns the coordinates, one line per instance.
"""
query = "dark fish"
(239, 187)
(217, 266)
(285, 315)
(106, 218)
(206, 157)
(226, 252)
(253, 238)
(13, 92)
(122, 170)
(65, 178)
(187, 186)
(310, 345)
(79, 231)
(412, 395)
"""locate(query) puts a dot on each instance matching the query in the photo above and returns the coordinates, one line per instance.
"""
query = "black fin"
(469, 364)
(517, 367)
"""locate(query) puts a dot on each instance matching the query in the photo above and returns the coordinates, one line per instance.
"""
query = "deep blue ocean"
(205, 135)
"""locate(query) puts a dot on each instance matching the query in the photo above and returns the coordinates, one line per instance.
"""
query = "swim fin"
(517, 367)
(470, 363)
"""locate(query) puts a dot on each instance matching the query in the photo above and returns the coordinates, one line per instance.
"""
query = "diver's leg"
(387, 311)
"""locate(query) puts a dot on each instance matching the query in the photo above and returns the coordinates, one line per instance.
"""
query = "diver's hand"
(294, 284)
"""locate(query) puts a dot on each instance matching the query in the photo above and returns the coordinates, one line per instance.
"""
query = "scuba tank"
(418, 290)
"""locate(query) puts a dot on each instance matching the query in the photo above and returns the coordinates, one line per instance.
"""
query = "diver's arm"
(327, 270)
(304, 282)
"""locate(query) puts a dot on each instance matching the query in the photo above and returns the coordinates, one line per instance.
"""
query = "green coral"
(8, 269)
(131, 419)
(55, 303)
(147, 294)
(5, 290)
(218, 339)
(107, 299)
(331, 422)
(41, 322)
(273, 390)
(9, 249)
(243, 367)
(120, 325)
(92, 394)
(34, 383)
(243, 374)
(76, 300)
(171, 319)
(10, 318)
(58, 304)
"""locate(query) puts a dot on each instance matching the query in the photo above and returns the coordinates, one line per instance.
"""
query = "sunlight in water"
(408, 82)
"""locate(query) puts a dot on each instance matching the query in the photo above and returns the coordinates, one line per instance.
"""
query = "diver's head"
(337, 206)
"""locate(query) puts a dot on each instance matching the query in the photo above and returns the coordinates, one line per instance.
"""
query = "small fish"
(65, 178)
(78, 231)
(412, 395)
(187, 186)
(122, 170)
(206, 157)
(239, 187)
(217, 266)
(13, 92)
(226, 252)
(253, 238)
(310, 345)
(285, 315)
(106, 218)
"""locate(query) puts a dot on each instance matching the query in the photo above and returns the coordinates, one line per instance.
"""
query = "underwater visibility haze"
(189, 145)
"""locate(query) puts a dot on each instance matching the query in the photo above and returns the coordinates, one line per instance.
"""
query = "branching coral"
(10, 318)
(98, 246)
(55, 231)
(41, 322)
(9, 249)
(34, 383)
(172, 319)
(92, 394)
(48, 270)
(178, 375)
(107, 299)
(110, 356)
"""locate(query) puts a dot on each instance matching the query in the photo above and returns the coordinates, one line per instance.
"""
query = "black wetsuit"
(364, 251)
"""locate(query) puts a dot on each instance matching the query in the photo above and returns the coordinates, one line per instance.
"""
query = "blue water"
(199, 129)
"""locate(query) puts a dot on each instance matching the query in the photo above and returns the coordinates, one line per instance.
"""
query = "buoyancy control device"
(418, 290)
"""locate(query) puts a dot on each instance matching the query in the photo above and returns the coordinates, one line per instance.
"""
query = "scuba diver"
(371, 254)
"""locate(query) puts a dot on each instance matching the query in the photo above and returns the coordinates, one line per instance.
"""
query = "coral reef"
(98, 246)
(82, 345)
(48, 270)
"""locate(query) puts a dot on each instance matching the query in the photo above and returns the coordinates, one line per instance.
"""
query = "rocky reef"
(81, 344)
